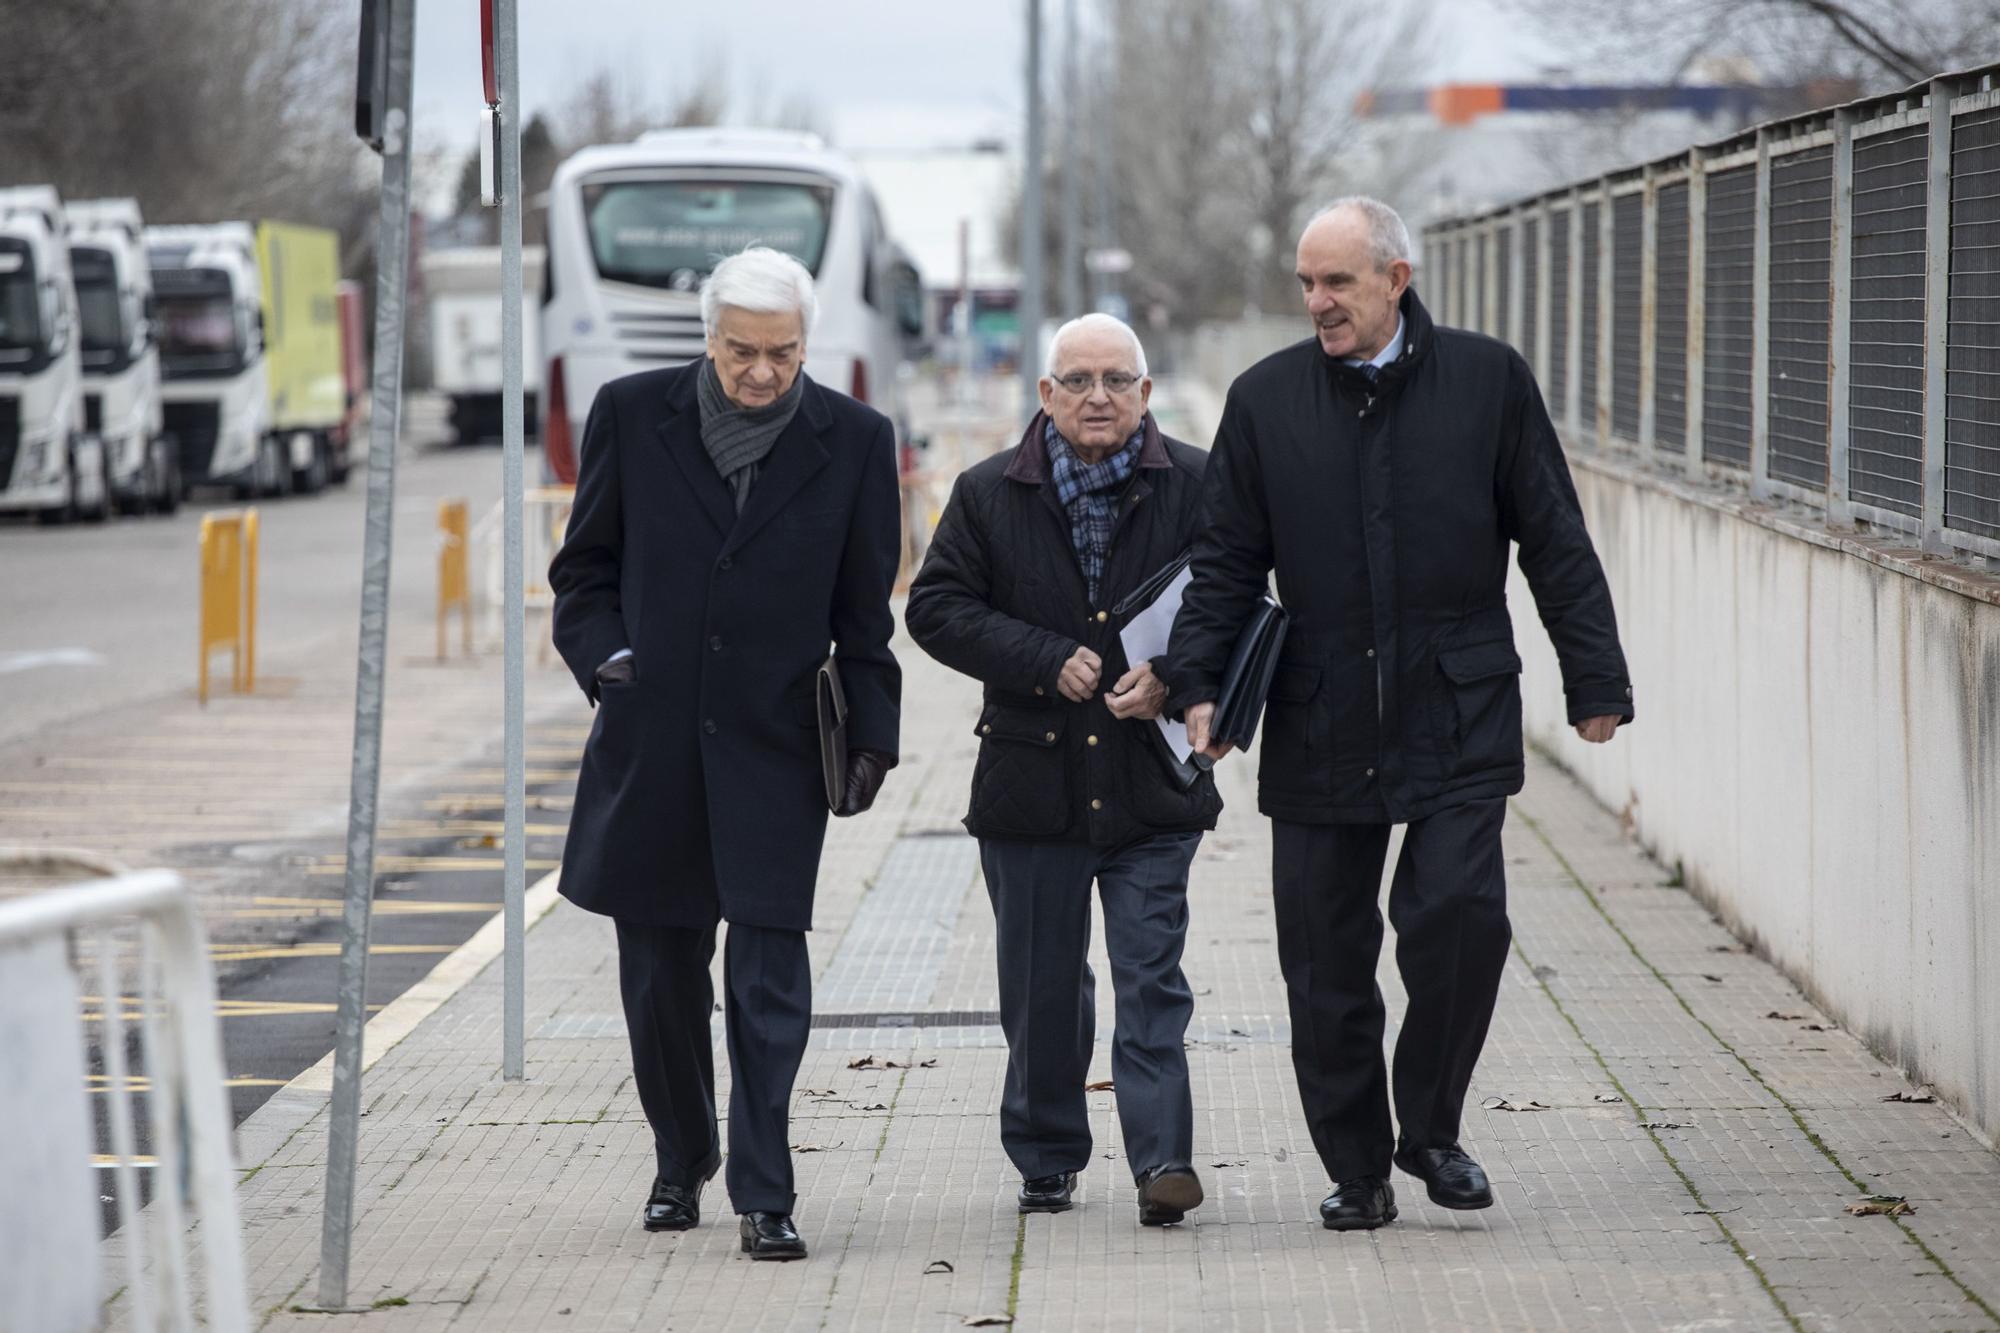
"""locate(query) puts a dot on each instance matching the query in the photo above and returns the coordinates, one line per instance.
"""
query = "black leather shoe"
(1360, 1204)
(673, 1207)
(1453, 1179)
(1167, 1194)
(771, 1236)
(1048, 1194)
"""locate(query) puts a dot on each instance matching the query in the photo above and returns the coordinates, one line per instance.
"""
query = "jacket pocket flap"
(1294, 684)
(1478, 661)
(1023, 725)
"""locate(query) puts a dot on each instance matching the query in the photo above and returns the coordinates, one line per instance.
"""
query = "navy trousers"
(1448, 902)
(767, 980)
(1048, 996)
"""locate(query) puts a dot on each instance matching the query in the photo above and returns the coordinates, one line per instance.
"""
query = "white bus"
(633, 229)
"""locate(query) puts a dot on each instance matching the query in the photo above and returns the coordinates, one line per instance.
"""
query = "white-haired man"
(1023, 589)
(1384, 467)
(734, 521)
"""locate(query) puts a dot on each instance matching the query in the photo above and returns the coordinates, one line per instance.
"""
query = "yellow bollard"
(228, 617)
(454, 572)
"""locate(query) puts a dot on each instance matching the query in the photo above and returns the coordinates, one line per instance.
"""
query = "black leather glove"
(618, 671)
(865, 771)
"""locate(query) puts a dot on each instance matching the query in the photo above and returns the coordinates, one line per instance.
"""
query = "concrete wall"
(1818, 747)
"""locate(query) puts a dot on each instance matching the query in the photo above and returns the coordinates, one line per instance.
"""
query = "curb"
(401, 1016)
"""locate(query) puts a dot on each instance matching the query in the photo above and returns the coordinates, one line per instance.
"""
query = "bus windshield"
(671, 233)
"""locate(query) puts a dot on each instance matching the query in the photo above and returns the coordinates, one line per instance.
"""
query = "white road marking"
(48, 657)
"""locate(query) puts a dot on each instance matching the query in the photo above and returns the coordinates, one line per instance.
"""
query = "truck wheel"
(100, 508)
(272, 475)
(66, 511)
(166, 497)
(311, 479)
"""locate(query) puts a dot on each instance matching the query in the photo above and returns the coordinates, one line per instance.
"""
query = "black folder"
(1247, 680)
(832, 700)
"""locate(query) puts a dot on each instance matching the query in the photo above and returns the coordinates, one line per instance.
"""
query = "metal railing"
(1810, 308)
(83, 962)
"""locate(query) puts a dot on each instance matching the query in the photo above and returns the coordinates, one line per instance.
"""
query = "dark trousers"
(1048, 996)
(767, 981)
(1448, 902)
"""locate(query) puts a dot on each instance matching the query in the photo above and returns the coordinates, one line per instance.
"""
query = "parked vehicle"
(250, 354)
(633, 229)
(50, 464)
(353, 433)
(462, 289)
(121, 358)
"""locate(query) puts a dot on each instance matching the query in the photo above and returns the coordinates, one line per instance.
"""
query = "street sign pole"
(393, 25)
(1032, 240)
(507, 64)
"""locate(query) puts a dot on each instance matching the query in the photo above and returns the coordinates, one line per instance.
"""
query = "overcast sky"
(880, 73)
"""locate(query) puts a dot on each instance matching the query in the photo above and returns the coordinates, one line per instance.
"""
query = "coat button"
(715, 643)
(1050, 738)
(1040, 691)
(1096, 805)
(723, 563)
(1371, 652)
(1090, 740)
(986, 730)
(1371, 772)
(709, 726)
(1103, 616)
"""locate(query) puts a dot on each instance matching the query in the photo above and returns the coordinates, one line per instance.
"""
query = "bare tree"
(1880, 44)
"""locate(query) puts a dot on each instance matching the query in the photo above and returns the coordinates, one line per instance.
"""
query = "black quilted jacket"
(1001, 598)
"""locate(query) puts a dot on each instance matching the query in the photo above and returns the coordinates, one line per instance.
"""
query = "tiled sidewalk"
(1678, 1157)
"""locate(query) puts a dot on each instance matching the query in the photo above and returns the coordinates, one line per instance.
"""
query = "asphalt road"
(85, 609)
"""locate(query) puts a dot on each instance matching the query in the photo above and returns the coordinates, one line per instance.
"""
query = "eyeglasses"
(1114, 381)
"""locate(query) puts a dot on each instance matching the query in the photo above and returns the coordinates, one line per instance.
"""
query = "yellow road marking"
(261, 906)
(140, 1083)
(465, 804)
(461, 828)
(231, 953)
(226, 1009)
(102, 1160)
(404, 865)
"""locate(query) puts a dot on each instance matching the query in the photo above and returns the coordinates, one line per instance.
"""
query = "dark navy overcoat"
(701, 793)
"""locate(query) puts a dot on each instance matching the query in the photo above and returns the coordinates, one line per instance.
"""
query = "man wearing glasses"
(1022, 589)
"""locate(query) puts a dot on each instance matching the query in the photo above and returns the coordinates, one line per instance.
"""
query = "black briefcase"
(1247, 681)
(832, 701)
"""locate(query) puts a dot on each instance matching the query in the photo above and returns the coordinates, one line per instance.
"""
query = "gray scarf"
(739, 438)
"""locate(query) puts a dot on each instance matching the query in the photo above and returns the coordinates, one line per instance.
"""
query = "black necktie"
(1370, 371)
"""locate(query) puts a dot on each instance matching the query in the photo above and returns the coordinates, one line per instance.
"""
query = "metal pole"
(392, 262)
(1031, 221)
(507, 64)
(1072, 187)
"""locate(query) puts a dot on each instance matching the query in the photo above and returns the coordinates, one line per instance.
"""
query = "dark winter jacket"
(1388, 514)
(701, 793)
(1002, 598)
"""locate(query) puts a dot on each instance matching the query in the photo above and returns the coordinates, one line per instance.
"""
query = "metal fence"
(1810, 308)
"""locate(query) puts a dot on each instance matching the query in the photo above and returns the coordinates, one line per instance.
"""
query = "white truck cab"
(49, 463)
(207, 292)
(121, 358)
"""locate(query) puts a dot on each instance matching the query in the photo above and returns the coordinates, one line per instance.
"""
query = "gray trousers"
(1048, 996)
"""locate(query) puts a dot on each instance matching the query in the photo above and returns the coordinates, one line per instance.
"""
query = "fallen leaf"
(814, 1147)
(905, 1064)
(1784, 1017)
(1238, 1032)
(938, 1266)
(1664, 1124)
(1102, 1085)
(1608, 1097)
(1280, 1155)
(820, 1092)
(1219, 1165)
(1819, 1027)
(1710, 976)
(1729, 948)
(1502, 1104)
(864, 1062)
(986, 1320)
(876, 1106)
(1920, 1097)
(1543, 972)
(1881, 1205)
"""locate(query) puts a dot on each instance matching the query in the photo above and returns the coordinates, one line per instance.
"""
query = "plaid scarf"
(1089, 491)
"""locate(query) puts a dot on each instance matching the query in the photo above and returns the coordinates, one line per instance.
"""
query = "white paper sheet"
(1145, 638)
